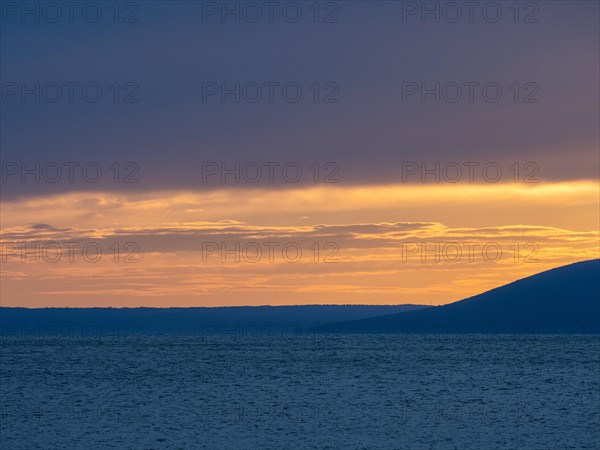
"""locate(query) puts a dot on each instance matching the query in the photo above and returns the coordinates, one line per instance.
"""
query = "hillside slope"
(561, 300)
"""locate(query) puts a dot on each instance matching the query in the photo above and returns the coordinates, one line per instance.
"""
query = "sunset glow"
(220, 248)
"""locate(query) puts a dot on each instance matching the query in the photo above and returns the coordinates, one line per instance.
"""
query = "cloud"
(152, 255)
(170, 132)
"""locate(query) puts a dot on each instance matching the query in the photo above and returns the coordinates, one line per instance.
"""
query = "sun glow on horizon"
(387, 244)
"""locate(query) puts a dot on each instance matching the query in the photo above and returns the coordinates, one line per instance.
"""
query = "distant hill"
(561, 300)
(243, 320)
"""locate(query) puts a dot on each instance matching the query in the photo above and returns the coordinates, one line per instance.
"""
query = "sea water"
(296, 392)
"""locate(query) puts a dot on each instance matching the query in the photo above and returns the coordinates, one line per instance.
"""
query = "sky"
(234, 153)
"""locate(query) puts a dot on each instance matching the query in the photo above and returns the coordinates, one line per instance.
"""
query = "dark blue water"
(372, 392)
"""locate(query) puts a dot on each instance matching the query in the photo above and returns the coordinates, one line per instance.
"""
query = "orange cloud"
(186, 248)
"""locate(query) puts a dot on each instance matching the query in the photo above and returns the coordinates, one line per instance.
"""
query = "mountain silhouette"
(234, 320)
(561, 300)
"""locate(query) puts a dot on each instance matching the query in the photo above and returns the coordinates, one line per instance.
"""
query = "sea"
(300, 392)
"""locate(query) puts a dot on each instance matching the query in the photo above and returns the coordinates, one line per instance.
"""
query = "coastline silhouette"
(561, 300)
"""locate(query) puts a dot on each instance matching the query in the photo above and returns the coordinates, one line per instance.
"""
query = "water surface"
(372, 392)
